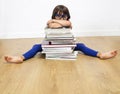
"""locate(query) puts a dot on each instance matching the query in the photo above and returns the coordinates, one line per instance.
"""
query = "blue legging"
(79, 47)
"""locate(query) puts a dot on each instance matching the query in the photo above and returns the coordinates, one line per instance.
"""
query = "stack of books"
(59, 44)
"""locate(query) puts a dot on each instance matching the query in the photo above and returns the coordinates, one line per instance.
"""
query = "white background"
(27, 18)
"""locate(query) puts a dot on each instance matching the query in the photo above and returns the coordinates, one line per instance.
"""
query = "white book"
(59, 36)
(58, 31)
(58, 58)
(48, 44)
(62, 57)
(58, 41)
(56, 49)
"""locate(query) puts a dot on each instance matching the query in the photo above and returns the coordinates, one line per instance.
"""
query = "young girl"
(60, 19)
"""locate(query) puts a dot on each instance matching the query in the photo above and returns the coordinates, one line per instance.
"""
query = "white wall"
(27, 18)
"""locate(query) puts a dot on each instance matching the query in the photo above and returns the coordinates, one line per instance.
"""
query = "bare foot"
(107, 55)
(14, 59)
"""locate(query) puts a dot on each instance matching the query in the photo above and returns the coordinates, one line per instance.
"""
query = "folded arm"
(58, 23)
(54, 25)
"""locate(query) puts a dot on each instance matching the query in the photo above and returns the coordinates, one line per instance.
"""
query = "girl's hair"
(61, 9)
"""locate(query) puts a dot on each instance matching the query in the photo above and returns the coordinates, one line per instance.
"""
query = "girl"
(60, 18)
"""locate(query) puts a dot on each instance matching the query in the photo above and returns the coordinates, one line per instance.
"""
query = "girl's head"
(61, 12)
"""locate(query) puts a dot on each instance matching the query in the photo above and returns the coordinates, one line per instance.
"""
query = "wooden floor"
(86, 75)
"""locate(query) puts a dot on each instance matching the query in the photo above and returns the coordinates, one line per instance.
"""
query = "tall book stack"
(59, 44)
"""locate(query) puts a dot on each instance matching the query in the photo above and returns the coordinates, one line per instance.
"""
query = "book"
(62, 56)
(59, 44)
(61, 50)
(46, 44)
(57, 31)
(58, 34)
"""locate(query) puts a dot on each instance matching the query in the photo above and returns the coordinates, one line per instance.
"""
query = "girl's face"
(60, 16)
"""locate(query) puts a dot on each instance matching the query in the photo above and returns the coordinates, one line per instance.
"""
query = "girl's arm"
(54, 25)
(62, 22)
(58, 23)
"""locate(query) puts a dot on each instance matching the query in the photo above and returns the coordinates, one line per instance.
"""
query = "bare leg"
(14, 59)
(107, 55)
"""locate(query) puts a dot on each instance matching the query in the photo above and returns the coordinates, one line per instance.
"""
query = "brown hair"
(62, 9)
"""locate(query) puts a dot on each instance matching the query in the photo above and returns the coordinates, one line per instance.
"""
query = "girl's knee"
(37, 46)
(80, 44)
